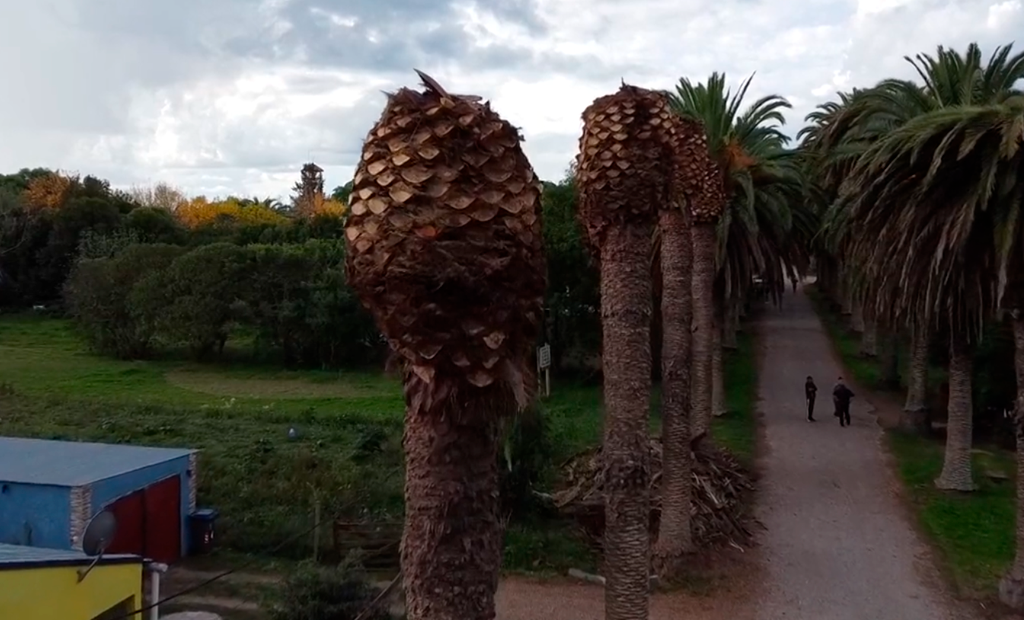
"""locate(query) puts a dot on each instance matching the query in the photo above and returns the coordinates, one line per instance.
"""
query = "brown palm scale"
(445, 244)
(625, 157)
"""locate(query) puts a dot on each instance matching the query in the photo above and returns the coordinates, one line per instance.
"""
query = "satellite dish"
(99, 533)
(97, 537)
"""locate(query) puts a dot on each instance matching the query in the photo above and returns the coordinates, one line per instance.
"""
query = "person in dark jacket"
(841, 396)
(810, 391)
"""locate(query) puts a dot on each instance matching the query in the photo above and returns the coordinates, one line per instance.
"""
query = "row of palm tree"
(731, 209)
(454, 273)
(920, 189)
(914, 184)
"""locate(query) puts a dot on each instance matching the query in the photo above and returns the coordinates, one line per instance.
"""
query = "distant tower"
(309, 191)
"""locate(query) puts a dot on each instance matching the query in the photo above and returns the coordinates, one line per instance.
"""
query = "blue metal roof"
(19, 556)
(73, 463)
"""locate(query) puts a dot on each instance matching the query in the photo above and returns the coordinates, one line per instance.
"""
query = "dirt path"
(527, 599)
(838, 543)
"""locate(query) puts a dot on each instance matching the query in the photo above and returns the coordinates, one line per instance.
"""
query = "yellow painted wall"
(54, 593)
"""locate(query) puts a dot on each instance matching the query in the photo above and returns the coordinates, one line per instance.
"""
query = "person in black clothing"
(810, 391)
(841, 396)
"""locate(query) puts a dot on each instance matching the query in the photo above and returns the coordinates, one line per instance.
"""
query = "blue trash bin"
(202, 530)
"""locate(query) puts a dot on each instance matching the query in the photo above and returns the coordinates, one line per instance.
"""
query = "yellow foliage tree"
(201, 211)
(50, 191)
(328, 206)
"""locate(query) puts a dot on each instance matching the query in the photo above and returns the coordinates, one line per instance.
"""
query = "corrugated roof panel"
(25, 556)
(73, 463)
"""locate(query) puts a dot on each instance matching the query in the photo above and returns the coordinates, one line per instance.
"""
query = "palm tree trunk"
(675, 537)
(956, 464)
(869, 339)
(845, 296)
(626, 323)
(1011, 587)
(914, 418)
(451, 545)
(717, 372)
(857, 317)
(705, 244)
(889, 361)
(732, 325)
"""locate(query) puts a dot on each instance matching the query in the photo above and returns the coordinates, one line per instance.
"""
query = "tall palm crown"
(763, 180)
(924, 189)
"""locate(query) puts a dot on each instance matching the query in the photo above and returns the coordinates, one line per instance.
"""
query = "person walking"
(811, 392)
(841, 396)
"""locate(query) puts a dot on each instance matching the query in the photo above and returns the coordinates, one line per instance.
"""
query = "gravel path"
(838, 544)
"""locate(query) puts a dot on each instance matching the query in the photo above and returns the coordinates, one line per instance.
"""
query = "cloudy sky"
(232, 96)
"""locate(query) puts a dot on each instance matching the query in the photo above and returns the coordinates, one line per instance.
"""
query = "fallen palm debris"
(721, 489)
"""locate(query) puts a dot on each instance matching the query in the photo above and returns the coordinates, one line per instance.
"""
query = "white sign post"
(544, 365)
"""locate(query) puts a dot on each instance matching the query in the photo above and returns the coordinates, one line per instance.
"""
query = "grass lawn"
(974, 533)
(239, 415)
(737, 430)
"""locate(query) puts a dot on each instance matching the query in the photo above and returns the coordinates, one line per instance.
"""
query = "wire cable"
(230, 571)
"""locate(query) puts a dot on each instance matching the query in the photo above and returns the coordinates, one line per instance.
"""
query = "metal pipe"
(155, 569)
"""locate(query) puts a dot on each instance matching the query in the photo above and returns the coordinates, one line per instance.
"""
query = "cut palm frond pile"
(721, 489)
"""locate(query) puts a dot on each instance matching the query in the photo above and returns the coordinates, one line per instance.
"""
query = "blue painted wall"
(106, 491)
(109, 490)
(35, 515)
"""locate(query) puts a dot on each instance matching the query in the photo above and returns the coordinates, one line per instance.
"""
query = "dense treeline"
(148, 271)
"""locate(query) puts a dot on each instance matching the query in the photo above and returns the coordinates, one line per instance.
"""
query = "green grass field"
(348, 448)
(973, 533)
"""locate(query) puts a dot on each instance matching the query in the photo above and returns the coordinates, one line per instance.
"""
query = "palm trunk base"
(626, 316)
(452, 542)
(956, 462)
(955, 477)
(915, 421)
(869, 341)
(718, 407)
(667, 564)
(954, 482)
(1011, 591)
(675, 533)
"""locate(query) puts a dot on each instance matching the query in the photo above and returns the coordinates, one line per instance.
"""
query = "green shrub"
(300, 305)
(525, 459)
(92, 244)
(98, 297)
(318, 593)
(155, 225)
(199, 292)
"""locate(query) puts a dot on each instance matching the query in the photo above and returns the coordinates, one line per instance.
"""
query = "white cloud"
(219, 98)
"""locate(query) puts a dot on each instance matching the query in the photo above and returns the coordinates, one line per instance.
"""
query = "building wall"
(54, 593)
(35, 515)
(106, 491)
(81, 513)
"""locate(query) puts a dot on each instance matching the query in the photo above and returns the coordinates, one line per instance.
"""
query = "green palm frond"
(769, 221)
(937, 212)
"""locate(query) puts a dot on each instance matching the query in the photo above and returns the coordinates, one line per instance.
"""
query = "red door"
(163, 520)
(130, 513)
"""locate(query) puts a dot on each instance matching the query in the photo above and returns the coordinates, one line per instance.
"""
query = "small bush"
(526, 457)
(199, 291)
(302, 308)
(155, 225)
(317, 593)
(92, 244)
(98, 298)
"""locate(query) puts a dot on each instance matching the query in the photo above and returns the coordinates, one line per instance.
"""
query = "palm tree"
(624, 171)
(842, 132)
(960, 169)
(924, 239)
(445, 249)
(976, 159)
(674, 249)
(743, 233)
